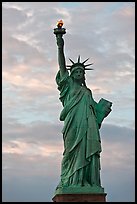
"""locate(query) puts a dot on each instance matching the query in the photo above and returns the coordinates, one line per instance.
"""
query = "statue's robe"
(82, 145)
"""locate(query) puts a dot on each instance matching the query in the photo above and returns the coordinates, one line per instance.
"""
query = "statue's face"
(78, 74)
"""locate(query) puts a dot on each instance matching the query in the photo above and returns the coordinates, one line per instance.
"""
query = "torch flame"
(60, 23)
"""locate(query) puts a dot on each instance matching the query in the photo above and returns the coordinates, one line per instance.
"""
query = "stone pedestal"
(92, 197)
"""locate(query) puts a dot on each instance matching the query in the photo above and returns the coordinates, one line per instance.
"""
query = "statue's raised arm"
(59, 31)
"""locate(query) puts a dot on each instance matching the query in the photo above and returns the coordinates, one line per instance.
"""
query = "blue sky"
(32, 140)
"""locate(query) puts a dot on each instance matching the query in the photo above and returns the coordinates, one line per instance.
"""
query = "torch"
(59, 29)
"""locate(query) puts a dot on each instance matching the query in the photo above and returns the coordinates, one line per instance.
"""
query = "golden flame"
(60, 23)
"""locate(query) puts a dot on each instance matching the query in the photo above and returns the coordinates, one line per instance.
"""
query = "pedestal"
(92, 197)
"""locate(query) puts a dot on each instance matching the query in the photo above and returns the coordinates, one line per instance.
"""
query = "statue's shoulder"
(62, 79)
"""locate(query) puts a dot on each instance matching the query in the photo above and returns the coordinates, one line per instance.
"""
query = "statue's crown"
(79, 64)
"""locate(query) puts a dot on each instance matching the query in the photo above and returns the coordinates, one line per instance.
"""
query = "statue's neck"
(77, 83)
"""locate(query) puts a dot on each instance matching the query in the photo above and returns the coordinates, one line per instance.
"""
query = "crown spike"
(79, 59)
(88, 64)
(85, 60)
(71, 61)
(89, 69)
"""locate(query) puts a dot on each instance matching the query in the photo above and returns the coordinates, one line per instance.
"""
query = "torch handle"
(60, 40)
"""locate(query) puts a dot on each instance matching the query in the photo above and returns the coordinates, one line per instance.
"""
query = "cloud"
(43, 153)
(32, 139)
(18, 17)
(113, 139)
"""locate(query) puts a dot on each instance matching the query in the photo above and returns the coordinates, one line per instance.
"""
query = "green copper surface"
(82, 116)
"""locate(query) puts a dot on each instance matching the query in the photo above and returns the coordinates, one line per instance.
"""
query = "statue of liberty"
(82, 116)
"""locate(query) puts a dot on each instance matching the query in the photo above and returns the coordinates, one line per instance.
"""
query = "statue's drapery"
(82, 145)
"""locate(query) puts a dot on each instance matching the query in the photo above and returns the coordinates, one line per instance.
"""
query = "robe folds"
(82, 144)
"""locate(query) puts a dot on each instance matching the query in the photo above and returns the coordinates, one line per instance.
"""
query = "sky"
(32, 142)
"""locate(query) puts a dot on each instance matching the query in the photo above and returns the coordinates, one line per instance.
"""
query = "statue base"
(79, 194)
(94, 197)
